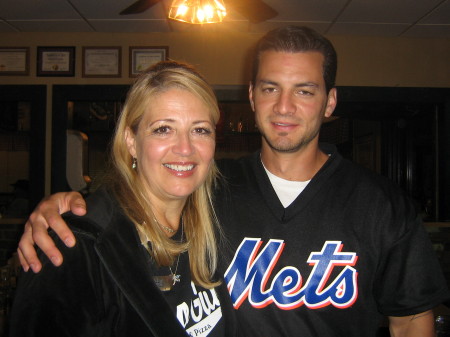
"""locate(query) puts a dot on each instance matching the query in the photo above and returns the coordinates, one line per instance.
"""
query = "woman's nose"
(183, 145)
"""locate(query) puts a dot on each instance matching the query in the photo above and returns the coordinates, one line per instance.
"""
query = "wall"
(222, 56)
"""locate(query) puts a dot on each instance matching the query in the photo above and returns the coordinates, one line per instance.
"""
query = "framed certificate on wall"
(143, 57)
(102, 62)
(55, 61)
(15, 61)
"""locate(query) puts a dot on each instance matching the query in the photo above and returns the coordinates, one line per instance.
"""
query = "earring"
(134, 165)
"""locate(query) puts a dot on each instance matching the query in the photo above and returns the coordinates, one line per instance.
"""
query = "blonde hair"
(199, 219)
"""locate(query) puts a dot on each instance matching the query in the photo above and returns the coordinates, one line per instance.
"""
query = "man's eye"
(268, 90)
(305, 93)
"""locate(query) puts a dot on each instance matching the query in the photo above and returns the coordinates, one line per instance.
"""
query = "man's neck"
(301, 165)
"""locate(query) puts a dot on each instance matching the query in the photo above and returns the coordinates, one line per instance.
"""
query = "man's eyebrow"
(298, 85)
(267, 82)
(307, 84)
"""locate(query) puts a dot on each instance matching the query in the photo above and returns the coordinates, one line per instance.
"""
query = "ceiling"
(391, 18)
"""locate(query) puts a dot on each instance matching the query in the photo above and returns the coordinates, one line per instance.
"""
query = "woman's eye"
(203, 131)
(161, 130)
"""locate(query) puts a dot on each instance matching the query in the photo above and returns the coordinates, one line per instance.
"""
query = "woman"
(146, 253)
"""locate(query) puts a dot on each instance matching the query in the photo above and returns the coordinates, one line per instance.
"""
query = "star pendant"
(175, 278)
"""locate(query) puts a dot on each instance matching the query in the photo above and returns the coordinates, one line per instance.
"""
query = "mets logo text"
(249, 272)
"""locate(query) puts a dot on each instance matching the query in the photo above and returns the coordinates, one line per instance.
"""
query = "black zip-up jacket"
(103, 288)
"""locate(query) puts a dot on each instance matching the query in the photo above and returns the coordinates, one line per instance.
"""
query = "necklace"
(176, 278)
(167, 228)
(167, 282)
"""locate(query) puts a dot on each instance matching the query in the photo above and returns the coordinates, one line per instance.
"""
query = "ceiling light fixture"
(197, 11)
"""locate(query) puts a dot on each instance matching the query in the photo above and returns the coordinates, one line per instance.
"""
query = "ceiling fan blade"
(139, 7)
(255, 11)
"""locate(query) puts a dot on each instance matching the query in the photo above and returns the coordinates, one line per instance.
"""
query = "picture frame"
(55, 61)
(143, 57)
(102, 62)
(14, 61)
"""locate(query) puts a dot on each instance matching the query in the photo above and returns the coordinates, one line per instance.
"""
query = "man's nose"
(285, 104)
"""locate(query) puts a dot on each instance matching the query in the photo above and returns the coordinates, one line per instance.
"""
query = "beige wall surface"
(223, 57)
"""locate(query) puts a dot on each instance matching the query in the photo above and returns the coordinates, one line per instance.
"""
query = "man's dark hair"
(296, 39)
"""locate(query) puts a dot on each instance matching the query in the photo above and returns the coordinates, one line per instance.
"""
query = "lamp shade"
(197, 11)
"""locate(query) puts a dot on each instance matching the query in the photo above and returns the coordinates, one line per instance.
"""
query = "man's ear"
(250, 96)
(331, 102)
(130, 140)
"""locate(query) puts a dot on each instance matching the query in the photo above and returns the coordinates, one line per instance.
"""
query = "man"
(319, 246)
